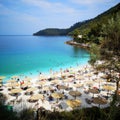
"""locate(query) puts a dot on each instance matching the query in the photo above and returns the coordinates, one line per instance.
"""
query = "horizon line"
(16, 35)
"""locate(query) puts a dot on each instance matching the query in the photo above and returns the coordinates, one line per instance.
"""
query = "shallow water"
(34, 54)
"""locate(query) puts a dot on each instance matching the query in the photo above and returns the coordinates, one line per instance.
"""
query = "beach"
(72, 88)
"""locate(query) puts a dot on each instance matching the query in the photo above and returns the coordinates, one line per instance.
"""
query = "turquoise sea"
(35, 54)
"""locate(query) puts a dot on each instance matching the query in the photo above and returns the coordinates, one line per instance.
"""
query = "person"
(18, 80)
(22, 82)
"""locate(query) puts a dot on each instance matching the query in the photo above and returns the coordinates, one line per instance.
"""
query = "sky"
(25, 17)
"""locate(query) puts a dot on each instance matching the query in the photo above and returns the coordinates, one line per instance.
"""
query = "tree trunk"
(117, 88)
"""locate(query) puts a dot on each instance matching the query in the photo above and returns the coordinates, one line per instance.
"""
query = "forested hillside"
(84, 27)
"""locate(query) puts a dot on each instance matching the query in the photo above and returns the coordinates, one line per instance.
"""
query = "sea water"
(35, 54)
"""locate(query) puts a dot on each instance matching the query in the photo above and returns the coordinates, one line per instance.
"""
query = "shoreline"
(34, 74)
(80, 45)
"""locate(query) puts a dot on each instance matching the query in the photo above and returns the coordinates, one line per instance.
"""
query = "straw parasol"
(11, 81)
(67, 80)
(88, 74)
(99, 80)
(31, 89)
(94, 91)
(41, 83)
(55, 81)
(78, 85)
(57, 95)
(36, 97)
(89, 83)
(17, 90)
(73, 103)
(79, 77)
(14, 84)
(108, 87)
(26, 84)
(62, 87)
(47, 88)
(65, 75)
(99, 100)
(75, 93)
(2, 77)
(14, 77)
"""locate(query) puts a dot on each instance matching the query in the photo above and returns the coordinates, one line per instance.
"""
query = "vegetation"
(51, 32)
(5, 112)
(88, 28)
(94, 113)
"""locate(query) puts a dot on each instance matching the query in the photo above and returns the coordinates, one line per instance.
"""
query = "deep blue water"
(32, 54)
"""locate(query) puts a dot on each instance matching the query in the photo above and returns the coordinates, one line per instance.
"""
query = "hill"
(84, 26)
(51, 32)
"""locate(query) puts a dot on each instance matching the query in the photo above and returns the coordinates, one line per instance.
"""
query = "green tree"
(111, 33)
(110, 47)
(75, 35)
(94, 53)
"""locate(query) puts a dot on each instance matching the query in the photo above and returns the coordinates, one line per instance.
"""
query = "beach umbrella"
(17, 90)
(65, 75)
(36, 97)
(94, 91)
(99, 80)
(31, 89)
(108, 87)
(13, 85)
(89, 83)
(11, 81)
(78, 85)
(73, 103)
(2, 77)
(75, 93)
(57, 95)
(88, 74)
(104, 76)
(99, 100)
(14, 77)
(67, 80)
(47, 88)
(62, 87)
(26, 84)
(55, 81)
(0, 85)
(78, 77)
(41, 83)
